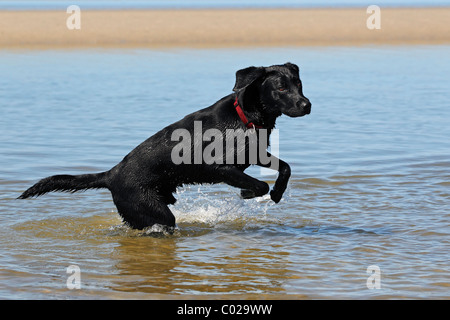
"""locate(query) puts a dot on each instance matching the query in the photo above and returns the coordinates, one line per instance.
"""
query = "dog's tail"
(67, 183)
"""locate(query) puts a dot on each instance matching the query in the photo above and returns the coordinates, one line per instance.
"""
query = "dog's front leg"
(250, 187)
(284, 173)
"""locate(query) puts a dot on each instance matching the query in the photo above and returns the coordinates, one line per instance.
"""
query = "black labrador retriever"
(143, 183)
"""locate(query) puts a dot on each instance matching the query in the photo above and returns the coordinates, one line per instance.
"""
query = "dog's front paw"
(275, 196)
(247, 194)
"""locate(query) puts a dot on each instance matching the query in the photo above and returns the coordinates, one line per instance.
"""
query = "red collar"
(243, 117)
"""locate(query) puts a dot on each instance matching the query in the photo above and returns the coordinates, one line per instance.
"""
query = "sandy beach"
(222, 28)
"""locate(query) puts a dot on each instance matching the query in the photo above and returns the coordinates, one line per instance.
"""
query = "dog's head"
(277, 89)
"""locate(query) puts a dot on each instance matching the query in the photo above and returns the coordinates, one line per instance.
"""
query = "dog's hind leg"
(143, 208)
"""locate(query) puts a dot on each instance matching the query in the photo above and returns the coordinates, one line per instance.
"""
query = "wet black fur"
(143, 183)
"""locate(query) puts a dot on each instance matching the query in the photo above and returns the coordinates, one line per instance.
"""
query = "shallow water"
(370, 182)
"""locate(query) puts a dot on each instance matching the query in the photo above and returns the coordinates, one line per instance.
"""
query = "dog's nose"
(306, 106)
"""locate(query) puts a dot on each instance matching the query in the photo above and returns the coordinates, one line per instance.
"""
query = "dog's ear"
(247, 76)
(293, 67)
(244, 78)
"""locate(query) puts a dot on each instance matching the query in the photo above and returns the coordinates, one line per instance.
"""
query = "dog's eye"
(281, 89)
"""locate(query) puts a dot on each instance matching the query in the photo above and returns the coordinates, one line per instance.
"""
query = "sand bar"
(222, 28)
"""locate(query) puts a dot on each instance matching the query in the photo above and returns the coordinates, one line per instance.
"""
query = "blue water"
(370, 178)
(164, 4)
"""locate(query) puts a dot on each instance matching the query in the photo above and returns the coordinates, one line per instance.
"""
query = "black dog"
(143, 183)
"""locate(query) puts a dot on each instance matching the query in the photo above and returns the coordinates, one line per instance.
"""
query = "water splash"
(221, 207)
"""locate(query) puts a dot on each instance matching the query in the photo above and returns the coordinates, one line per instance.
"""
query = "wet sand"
(222, 28)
